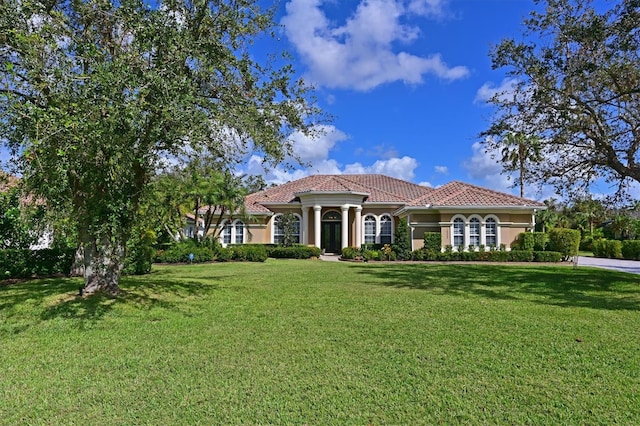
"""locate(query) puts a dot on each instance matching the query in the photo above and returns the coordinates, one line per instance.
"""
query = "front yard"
(312, 342)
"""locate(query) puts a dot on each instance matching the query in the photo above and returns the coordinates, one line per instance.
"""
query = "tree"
(289, 223)
(402, 243)
(98, 94)
(577, 76)
(519, 154)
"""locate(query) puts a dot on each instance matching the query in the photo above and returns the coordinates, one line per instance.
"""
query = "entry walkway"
(330, 257)
(631, 266)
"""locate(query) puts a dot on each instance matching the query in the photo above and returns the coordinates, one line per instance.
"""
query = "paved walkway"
(632, 266)
(330, 257)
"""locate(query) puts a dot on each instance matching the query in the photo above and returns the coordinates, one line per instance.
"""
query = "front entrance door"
(332, 237)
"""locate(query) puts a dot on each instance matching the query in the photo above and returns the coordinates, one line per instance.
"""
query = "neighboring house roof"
(386, 190)
(7, 182)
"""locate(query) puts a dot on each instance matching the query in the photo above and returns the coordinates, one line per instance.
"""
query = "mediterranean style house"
(337, 211)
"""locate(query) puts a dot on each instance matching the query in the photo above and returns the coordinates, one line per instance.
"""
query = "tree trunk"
(103, 265)
(77, 267)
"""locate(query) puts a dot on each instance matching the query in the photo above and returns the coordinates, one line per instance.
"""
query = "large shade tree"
(96, 95)
(577, 92)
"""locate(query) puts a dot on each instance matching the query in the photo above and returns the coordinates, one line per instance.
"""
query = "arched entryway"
(331, 235)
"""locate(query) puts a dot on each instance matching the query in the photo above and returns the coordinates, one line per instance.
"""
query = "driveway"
(631, 266)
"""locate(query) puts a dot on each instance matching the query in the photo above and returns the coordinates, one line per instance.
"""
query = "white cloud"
(401, 168)
(483, 168)
(314, 149)
(488, 90)
(427, 184)
(359, 55)
(442, 170)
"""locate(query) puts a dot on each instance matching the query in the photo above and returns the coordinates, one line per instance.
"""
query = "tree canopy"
(576, 92)
(97, 95)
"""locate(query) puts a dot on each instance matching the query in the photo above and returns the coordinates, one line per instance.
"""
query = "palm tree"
(519, 152)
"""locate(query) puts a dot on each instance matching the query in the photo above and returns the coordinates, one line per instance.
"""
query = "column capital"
(317, 208)
(358, 208)
(344, 207)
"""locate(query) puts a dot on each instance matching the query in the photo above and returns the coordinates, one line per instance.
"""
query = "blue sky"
(406, 81)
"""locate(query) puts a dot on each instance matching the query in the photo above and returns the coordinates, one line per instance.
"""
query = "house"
(336, 211)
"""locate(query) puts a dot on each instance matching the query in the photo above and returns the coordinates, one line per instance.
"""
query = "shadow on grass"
(551, 285)
(53, 298)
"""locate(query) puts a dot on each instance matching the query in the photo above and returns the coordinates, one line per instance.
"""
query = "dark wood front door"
(331, 237)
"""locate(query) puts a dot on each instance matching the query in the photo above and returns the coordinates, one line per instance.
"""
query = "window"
(226, 233)
(239, 232)
(491, 232)
(474, 232)
(458, 232)
(385, 230)
(369, 229)
(279, 229)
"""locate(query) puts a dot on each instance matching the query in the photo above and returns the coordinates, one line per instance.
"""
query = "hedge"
(609, 249)
(631, 249)
(488, 256)
(293, 252)
(29, 263)
(180, 252)
(564, 241)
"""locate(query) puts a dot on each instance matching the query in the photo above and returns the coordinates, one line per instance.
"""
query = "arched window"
(458, 232)
(386, 229)
(491, 232)
(279, 229)
(474, 232)
(369, 229)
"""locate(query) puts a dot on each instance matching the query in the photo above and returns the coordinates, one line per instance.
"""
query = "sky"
(406, 83)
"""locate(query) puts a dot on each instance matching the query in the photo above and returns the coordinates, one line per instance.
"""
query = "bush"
(432, 241)
(521, 255)
(350, 253)
(547, 256)
(498, 256)
(249, 253)
(180, 251)
(28, 263)
(631, 249)
(540, 241)
(564, 241)
(525, 241)
(610, 249)
(293, 252)
(402, 245)
(224, 254)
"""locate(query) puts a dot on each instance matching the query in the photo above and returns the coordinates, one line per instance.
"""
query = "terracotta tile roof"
(380, 189)
(385, 189)
(456, 194)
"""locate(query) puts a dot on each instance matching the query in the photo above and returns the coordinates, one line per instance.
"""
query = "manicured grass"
(318, 343)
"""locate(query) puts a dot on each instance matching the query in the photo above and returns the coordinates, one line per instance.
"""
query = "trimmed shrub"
(540, 241)
(224, 254)
(249, 253)
(498, 256)
(631, 249)
(525, 241)
(293, 252)
(28, 263)
(564, 241)
(179, 253)
(349, 253)
(432, 241)
(521, 255)
(547, 256)
(609, 249)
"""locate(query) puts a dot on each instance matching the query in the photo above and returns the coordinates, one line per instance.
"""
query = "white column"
(316, 225)
(345, 226)
(358, 226)
(305, 225)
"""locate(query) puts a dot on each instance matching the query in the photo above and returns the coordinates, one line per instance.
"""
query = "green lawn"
(319, 343)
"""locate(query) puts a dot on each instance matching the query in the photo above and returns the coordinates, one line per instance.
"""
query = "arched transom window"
(377, 229)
